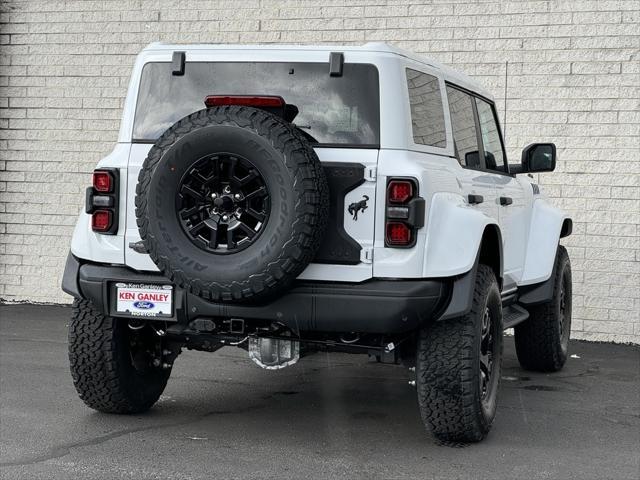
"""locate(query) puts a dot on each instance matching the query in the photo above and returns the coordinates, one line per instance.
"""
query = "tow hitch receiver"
(273, 354)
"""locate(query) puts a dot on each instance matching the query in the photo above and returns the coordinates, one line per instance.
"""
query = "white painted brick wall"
(575, 80)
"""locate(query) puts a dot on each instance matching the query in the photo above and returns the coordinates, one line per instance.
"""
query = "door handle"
(475, 199)
(506, 201)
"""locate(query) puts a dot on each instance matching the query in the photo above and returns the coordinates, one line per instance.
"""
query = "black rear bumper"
(374, 306)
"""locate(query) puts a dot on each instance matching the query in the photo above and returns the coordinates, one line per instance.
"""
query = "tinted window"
(343, 110)
(427, 116)
(463, 124)
(493, 153)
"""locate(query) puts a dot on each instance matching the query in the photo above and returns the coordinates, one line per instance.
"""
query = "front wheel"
(114, 368)
(542, 341)
(458, 366)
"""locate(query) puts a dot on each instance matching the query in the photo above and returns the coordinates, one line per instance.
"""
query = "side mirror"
(538, 157)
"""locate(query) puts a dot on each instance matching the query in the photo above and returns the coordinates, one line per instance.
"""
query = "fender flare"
(461, 299)
(548, 225)
(454, 236)
(450, 254)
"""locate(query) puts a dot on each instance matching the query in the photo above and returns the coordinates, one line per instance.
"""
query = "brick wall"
(574, 79)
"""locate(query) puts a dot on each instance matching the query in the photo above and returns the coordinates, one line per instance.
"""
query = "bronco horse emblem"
(356, 207)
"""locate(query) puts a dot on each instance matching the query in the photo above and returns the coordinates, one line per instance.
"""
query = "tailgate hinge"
(371, 173)
(366, 255)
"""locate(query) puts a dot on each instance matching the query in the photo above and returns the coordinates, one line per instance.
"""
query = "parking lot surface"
(330, 416)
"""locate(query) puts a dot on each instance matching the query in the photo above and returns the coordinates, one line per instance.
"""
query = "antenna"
(504, 118)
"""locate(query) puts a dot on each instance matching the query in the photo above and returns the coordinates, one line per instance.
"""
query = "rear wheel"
(458, 366)
(115, 369)
(542, 341)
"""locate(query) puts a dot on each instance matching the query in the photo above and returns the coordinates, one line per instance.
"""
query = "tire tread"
(446, 377)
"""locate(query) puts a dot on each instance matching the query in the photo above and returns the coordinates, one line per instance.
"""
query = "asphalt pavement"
(329, 416)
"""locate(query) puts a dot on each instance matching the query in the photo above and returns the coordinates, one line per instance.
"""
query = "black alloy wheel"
(564, 317)
(487, 348)
(223, 203)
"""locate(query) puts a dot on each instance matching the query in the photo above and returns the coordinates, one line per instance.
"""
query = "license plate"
(144, 300)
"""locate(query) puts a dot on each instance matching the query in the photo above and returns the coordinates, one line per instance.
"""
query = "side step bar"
(512, 315)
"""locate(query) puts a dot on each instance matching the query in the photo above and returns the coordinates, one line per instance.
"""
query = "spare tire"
(232, 204)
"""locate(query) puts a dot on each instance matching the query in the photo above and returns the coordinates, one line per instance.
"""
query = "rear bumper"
(375, 306)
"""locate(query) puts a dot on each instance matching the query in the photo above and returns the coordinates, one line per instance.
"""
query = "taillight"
(102, 201)
(398, 233)
(399, 191)
(404, 213)
(101, 220)
(102, 181)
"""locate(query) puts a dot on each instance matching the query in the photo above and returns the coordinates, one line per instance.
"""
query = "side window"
(493, 152)
(427, 115)
(465, 137)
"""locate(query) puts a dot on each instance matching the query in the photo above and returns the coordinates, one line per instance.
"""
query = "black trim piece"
(88, 201)
(504, 201)
(417, 209)
(361, 146)
(336, 63)
(461, 295)
(375, 306)
(475, 199)
(70, 276)
(337, 246)
(567, 228)
(479, 139)
(177, 63)
(529, 295)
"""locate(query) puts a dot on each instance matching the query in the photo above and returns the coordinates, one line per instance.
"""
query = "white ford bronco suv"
(294, 199)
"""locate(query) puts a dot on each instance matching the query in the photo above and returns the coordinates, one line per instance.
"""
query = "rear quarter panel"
(448, 243)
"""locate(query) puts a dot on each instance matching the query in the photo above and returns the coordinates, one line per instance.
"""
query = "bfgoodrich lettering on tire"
(458, 366)
(232, 204)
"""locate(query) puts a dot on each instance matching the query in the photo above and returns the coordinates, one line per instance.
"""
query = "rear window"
(332, 110)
